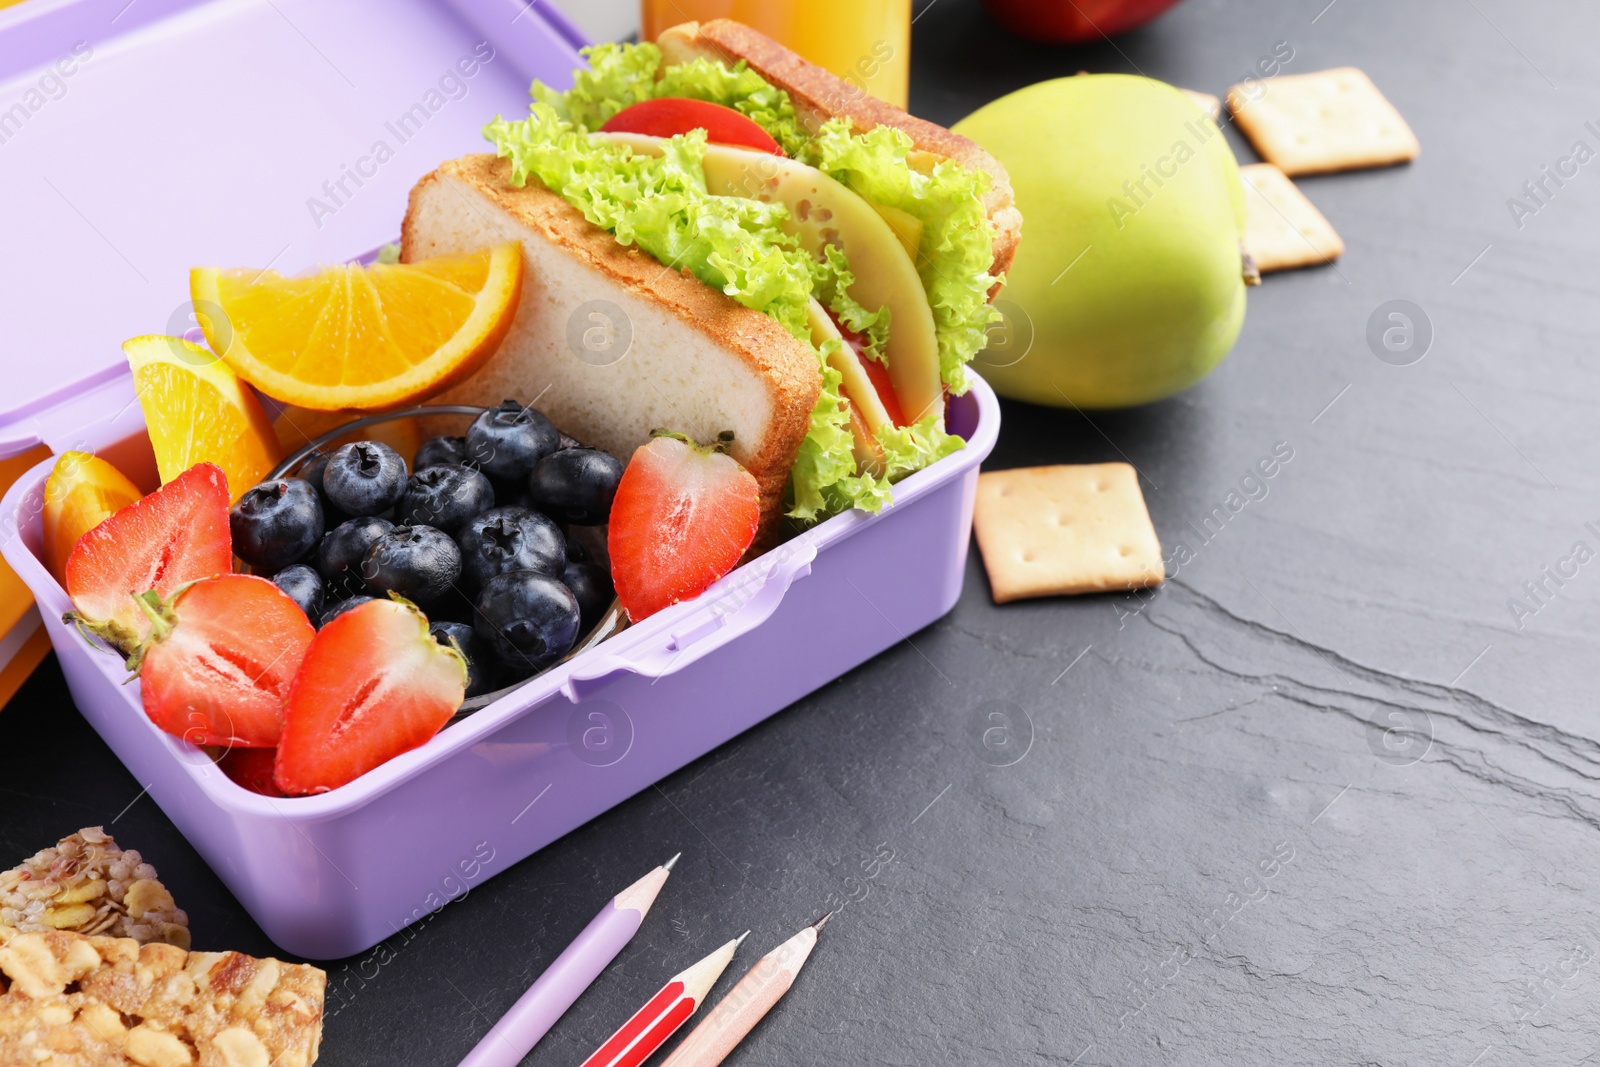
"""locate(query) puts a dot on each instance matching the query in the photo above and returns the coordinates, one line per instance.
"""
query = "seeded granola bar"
(88, 885)
(67, 1000)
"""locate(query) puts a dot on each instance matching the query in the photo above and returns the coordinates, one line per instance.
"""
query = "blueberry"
(342, 551)
(445, 497)
(276, 524)
(420, 563)
(528, 618)
(591, 585)
(510, 539)
(364, 478)
(567, 442)
(304, 586)
(480, 671)
(510, 440)
(576, 485)
(333, 611)
(311, 472)
(440, 451)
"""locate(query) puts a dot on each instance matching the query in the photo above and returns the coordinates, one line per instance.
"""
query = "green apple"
(1130, 270)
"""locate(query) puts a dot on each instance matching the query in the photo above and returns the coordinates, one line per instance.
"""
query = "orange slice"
(361, 337)
(196, 410)
(82, 492)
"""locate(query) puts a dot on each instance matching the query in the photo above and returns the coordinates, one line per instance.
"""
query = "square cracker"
(1282, 229)
(1046, 531)
(1205, 102)
(1327, 121)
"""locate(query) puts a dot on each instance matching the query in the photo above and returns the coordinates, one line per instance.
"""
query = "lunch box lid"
(140, 138)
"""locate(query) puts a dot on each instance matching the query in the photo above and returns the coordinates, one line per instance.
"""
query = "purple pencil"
(532, 1016)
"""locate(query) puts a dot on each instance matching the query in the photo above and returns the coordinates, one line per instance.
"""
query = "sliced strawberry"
(251, 768)
(219, 661)
(682, 518)
(373, 685)
(177, 534)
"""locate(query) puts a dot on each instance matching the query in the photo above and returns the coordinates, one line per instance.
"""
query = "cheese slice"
(867, 413)
(853, 380)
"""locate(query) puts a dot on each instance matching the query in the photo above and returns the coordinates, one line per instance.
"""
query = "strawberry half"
(177, 534)
(683, 516)
(374, 684)
(219, 661)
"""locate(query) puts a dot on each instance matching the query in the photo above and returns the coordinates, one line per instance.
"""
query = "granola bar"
(88, 885)
(67, 1000)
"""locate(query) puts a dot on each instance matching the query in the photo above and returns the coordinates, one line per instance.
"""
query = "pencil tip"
(820, 923)
(740, 939)
(667, 866)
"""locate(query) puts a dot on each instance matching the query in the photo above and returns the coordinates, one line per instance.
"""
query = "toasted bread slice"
(818, 96)
(608, 342)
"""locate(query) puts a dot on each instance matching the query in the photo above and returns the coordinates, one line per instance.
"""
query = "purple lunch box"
(153, 135)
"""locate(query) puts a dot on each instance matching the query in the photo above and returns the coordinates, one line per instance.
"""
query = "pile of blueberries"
(481, 537)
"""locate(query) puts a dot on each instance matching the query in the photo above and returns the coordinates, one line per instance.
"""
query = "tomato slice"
(877, 373)
(668, 116)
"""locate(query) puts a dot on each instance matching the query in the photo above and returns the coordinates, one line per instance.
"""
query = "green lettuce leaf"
(826, 456)
(624, 74)
(660, 204)
(957, 246)
(907, 449)
(831, 281)
(618, 75)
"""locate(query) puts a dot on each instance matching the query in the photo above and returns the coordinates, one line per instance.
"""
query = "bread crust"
(791, 370)
(819, 95)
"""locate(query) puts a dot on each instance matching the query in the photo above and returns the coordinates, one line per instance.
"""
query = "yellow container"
(865, 42)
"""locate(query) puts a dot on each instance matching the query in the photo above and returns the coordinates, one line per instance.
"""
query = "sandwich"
(720, 236)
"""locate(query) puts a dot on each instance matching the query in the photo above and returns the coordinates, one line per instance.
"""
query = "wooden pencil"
(746, 1003)
(649, 1027)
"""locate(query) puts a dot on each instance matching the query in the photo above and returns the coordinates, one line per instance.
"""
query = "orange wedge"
(198, 411)
(361, 337)
(82, 492)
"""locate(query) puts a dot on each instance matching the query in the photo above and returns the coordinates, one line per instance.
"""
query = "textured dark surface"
(1209, 850)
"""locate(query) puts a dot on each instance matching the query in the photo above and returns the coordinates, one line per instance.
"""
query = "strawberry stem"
(723, 442)
(161, 617)
(162, 620)
(110, 632)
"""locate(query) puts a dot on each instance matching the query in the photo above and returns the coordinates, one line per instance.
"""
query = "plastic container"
(332, 875)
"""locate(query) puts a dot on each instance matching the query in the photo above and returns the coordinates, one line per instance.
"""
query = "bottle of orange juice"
(865, 42)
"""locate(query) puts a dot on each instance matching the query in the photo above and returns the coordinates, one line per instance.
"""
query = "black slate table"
(1325, 797)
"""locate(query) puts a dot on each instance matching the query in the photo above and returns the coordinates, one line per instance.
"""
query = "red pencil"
(669, 1009)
